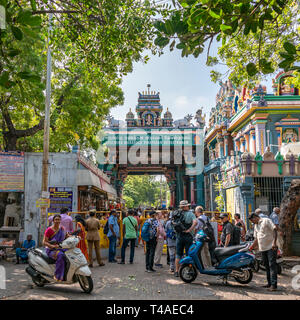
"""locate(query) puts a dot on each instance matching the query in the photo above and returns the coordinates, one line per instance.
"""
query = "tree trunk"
(10, 141)
(288, 210)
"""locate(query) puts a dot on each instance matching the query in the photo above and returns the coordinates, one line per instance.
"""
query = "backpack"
(178, 221)
(236, 236)
(208, 230)
(106, 229)
(147, 232)
(171, 234)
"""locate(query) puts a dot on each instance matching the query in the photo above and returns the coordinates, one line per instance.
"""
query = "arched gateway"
(154, 144)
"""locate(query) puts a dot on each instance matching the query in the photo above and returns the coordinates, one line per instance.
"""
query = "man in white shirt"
(265, 238)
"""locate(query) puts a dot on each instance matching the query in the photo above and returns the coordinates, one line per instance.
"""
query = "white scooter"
(42, 268)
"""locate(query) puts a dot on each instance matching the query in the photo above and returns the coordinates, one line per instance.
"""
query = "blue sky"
(184, 84)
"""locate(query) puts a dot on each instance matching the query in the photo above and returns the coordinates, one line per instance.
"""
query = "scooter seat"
(228, 251)
(42, 253)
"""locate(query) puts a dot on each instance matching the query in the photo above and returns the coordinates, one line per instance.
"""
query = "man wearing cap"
(185, 239)
(265, 237)
(227, 231)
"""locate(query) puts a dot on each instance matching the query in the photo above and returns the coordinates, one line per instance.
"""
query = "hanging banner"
(11, 172)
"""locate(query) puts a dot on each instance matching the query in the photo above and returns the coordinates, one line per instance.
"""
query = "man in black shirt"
(227, 232)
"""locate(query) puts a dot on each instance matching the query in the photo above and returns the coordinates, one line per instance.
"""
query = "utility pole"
(43, 217)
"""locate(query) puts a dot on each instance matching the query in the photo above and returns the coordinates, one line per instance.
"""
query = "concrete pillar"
(247, 142)
(192, 189)
(242, 144)
(252, 142)
(184, 190)
(238, 145)
(226, 145)
(200, 193)
(260, 137)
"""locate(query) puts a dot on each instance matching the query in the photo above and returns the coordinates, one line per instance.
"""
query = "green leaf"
(169, 28)
(285, 64)
(17, 33)
(172, 45)
(290, 48)
(33, 5)
(180, 45)
(213, 14)
(253, 26)
(247, 28)
(251, 69)
(161, 41)
(223, 27)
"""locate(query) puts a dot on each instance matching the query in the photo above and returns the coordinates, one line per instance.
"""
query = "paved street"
(115, 282)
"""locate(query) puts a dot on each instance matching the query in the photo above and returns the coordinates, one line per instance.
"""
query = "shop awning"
(87, 178)
(111, 191)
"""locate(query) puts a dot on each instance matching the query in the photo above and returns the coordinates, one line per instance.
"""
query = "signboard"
(45, 194)
(60, 197)
(187, 138)
(11, 172)
(43, 203)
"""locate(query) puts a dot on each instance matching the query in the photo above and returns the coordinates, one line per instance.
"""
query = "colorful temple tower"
(252, 146)
(149, 112)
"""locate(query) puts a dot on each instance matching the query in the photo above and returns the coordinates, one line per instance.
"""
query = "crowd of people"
(220, 229)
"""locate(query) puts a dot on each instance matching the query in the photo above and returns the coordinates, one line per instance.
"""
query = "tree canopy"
(94, 44)
(255, 37)
(144, 190)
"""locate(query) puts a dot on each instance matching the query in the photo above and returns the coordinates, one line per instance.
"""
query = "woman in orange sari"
(80, 224)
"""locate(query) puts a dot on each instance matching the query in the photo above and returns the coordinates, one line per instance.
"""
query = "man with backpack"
(231, 235)
(171, 242)
(149, 235)
(184, 222)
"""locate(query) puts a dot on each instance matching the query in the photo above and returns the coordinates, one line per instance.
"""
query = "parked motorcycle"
(279, 261)
(234, 261)
(42, 268)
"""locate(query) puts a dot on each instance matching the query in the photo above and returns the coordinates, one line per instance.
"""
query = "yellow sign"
(43, 203)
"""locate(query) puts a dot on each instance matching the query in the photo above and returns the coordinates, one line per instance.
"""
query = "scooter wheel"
(39, 282)
(86, 283)
(244, 276)
(188, 273)
(279, 269)
(256, 266)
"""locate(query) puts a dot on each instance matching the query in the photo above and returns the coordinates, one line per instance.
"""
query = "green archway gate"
(151, 144)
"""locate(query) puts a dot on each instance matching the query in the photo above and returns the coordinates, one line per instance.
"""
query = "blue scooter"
(234, 261)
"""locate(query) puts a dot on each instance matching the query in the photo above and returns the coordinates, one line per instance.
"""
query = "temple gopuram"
(151, 142)
(252, 147)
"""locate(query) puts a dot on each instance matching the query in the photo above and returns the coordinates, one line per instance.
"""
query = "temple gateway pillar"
(192, 189)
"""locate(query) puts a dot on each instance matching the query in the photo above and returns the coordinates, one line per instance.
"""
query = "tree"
(256, 36)
(94, 44)
(143, 190)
